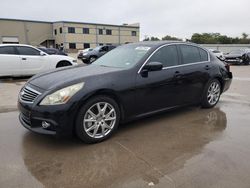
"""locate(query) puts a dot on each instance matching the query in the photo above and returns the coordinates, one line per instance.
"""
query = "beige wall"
(32, 33)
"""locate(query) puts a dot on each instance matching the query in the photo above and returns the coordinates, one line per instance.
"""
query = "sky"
(179, 18)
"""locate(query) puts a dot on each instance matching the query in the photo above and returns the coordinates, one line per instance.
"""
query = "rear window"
(7, 50)
(203, 54)
(193, 54)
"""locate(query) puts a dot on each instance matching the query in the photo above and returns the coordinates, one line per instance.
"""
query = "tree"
(168, 37)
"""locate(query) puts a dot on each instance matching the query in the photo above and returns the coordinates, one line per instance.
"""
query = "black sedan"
(238, 57)
(129, 82)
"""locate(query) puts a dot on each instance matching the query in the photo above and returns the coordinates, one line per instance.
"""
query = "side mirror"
(153, 66)
(42, 54)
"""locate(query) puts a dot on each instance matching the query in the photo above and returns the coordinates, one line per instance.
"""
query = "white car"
(218, 54)
(24, 60)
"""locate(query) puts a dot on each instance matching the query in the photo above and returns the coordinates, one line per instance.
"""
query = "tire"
(212, 93)
(95, 124)
(63, 64)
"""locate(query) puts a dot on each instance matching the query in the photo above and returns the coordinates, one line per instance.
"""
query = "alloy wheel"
(99, 120)
(213, 94)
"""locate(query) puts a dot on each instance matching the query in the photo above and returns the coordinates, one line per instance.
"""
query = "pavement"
(185, 148)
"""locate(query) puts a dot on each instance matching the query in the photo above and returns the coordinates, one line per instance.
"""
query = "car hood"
(68, 75)
(233, 56)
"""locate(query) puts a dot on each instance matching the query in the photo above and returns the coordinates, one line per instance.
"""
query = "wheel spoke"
(98, 108)
(90, 120)
(108, 114)
(110, 119)
(91, 113)
(106, 126)
(104, 108)
(95, 130)
(91, 128)
(103, 130)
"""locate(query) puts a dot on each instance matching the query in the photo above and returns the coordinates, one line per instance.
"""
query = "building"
(70, 35)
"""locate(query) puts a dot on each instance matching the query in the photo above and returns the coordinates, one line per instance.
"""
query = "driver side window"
(166, 55)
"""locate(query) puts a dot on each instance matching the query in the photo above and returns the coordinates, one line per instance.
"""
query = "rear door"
(194, 72)
(31, 60)
(9, 61)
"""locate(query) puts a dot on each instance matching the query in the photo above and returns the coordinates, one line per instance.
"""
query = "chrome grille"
(28, 94)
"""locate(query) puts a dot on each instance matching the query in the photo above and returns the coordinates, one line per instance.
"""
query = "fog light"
(45, 124)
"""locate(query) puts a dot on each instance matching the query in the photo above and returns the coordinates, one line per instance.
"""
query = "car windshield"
(97, 48)
(123, 57)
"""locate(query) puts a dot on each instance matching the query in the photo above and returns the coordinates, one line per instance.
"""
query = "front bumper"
(60, 118)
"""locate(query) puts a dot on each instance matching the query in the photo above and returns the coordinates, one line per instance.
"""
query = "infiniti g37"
(129, 82)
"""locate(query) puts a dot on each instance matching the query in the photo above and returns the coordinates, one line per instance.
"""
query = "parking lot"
(189, 147)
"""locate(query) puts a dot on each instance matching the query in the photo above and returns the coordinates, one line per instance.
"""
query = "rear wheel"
(212, 94)
(98, 119)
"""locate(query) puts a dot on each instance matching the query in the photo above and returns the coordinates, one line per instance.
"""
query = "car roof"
(16, 45)
(157, 44)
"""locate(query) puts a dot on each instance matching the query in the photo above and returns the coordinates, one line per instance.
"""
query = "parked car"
(90, 56)
(218, 54)
(24, 60)
(239, 57)
(129, 82)
(52, 51)
(81, 52)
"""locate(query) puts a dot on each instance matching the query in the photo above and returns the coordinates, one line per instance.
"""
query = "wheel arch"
(66, 62)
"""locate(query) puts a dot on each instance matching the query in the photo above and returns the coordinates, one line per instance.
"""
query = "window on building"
(60, 29)
(167, 55)
(85, 30)
(55, 31)
(23, 50)
(190, 54)
(7, 50)
(71, 30)
(100, 31)
(133, 33)
(109, 44)
(100, 44)
(108, 32)
(72, 45)
(86, 45)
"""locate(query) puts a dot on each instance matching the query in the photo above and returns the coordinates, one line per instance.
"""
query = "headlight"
(85, 54)
(62, 96)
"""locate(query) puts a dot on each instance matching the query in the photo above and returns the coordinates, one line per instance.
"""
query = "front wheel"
(97, 119)
(212, 94)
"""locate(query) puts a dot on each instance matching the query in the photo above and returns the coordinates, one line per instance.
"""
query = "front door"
(31, 60)
(158, 90)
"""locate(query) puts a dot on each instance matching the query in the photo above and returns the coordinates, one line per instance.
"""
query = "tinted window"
(108, 32)
(190, 54)
(72, 45)
(71, 30)
(7, 50)
(23, 50)
(167, 55)
(133, 33)
(86, 45)
(85, 30)
(203, 54)
(100, 32)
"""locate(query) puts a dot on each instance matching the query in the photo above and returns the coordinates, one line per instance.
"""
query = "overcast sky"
(180, 18)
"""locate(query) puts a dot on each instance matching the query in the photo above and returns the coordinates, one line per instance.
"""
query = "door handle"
(177, 75)
(23, 58)
(207, 67)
